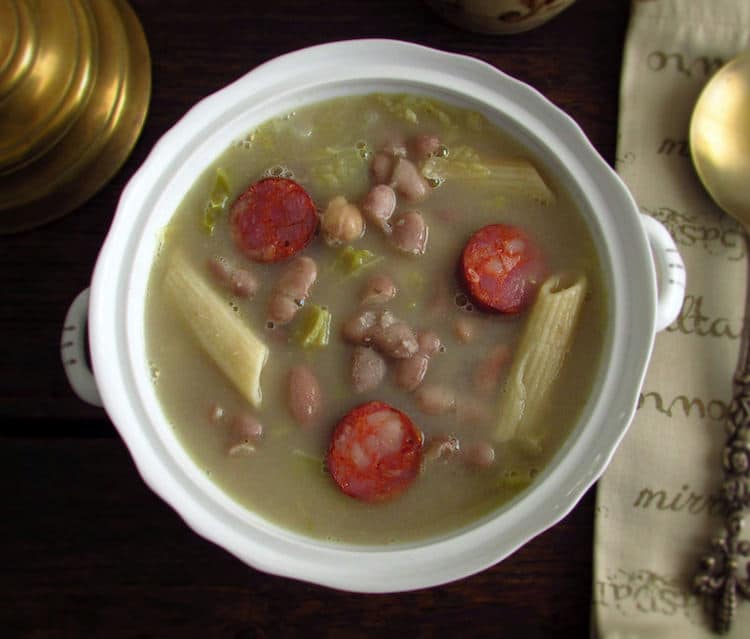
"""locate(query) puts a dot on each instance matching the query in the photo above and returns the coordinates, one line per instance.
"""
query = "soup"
(375, 319)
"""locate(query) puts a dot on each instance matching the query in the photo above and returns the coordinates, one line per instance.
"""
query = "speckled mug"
(499, 16)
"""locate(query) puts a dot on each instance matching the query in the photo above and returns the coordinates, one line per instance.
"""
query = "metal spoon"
(720, 148)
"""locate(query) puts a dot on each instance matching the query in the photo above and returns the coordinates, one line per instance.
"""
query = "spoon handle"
(720, 569)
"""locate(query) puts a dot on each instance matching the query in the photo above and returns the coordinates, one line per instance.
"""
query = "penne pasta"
(511, 177)
(547, 337)
(222, 334)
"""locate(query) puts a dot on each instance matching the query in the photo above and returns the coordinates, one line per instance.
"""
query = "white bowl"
(623, 236)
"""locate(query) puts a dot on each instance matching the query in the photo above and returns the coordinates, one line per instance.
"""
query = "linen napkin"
(657, 503)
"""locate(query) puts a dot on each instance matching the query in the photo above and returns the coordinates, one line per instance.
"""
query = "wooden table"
(86, 549)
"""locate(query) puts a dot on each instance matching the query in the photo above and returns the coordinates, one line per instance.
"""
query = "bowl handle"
(73, 351)
(670, 272)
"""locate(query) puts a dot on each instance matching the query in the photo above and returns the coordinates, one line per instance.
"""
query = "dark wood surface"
(86, 550)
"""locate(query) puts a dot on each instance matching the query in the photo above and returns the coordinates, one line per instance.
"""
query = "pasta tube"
(547, 337)
(512, 177)
(222, 334)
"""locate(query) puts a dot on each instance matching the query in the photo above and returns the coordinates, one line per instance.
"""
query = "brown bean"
(247, 426)
(429, 342)
(388, 334)
(441, 447)
(341, 221)
(480, 454)
(305, 398)
(408, 181)
(435, 399)
(379, 205)
(394, 338)
(379, 289)
(368, 369)
(358, 329)
(382, 168)
(411, 372)
(423, 146)
(292, 289)
(410, 233)
(239, 281)
(245, 432)
(487, 373)
(395, 146)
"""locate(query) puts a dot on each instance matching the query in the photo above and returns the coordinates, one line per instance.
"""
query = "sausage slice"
(273, 219)
(375, 452)
(501, 267)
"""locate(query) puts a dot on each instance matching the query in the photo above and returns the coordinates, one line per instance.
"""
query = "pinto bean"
(408, 181)
(341, 221)
(423, 146)
(245, 432)
(480, 454)
(411, 372)
(239, 281)
(378, 290)
(382, 167)
(435, 399)
(358, 329)
(305, 398)
(486, 375)
(389, 335)
(395, 146)
(379, 205)
(394, 338)
(247, 426)
(441, 447)
(410, 233)
(368, 369)
(429, 342)
(292, 289)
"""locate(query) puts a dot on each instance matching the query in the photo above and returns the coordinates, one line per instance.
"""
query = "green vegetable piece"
(340, 170)
(315, 327)
(414, 109)
(217, 202)
(350, 261)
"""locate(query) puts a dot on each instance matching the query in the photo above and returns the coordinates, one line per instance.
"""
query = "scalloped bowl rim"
(116, 327)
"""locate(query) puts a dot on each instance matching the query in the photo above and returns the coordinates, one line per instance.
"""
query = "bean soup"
(375, 319)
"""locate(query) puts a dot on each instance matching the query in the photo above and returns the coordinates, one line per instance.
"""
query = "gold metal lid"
(87, 130)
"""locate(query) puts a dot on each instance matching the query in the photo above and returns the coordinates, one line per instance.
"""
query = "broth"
(328, 148)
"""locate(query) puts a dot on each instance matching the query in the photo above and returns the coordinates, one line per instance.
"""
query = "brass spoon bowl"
(720, 138)
(720, 148)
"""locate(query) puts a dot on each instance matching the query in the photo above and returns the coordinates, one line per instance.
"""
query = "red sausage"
(375, 452)
(273, 219)
(502, 268)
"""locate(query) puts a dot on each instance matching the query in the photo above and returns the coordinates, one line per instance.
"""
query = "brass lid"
(75, 134)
